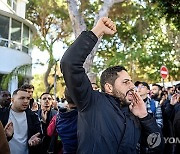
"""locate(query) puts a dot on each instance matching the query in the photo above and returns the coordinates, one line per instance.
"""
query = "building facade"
(15, 39)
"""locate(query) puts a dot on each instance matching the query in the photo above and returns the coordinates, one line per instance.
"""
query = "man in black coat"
(26, 124)
(46, 113)
(110, 121)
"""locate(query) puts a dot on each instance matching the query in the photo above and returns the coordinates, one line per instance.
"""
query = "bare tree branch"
(103, 12)
(78, 24)
(77, 20)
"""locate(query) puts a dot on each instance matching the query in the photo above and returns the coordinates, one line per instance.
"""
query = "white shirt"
(19, 144)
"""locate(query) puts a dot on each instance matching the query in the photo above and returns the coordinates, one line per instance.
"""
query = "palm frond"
(22, 70)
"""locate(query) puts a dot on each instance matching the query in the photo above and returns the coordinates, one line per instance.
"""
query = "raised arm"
(72, 61)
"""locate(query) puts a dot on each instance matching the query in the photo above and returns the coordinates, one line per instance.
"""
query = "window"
(15, 34)
(16, 31)
(25, 38)
(4, 30)
(4, 27)
(12, 4)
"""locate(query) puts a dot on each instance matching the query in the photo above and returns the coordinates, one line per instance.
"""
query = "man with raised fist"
(110, 121)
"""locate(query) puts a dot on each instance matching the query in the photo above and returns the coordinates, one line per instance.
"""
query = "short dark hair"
(2, 91)
(45, 94)
(68, 97)
(19, 89)
(157, 85)
(145, 84)
(27, 86)
(164, 93)
(110, 75)
(177, 86)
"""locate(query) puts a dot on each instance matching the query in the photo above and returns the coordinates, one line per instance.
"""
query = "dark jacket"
(32, 122)
(66, 126)
(48, 142)
(31, 103)
(103, 126)
(172, 114)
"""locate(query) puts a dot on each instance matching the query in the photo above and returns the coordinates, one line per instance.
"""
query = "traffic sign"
(164, 72)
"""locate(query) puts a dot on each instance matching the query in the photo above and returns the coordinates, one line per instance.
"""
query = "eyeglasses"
(139, 87)
(49, 98)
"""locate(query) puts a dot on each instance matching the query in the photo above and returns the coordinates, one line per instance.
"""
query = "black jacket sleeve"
(34, 125)
(151, 135)
(169, 112)
(76, 80)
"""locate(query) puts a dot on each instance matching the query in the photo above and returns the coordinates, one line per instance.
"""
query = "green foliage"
(40, 87)
(52, 21)
(169, 9)
(20, 72)
(89, 10)
(142, 43)
(144, 40)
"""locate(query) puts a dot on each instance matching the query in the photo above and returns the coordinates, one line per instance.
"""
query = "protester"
(170, 91)
(25, 123)
(111, 121)
(30, 90)
(5, 99)
(164, 97)
(176, 121)
(156, 92)
(153, 107)
(51, 131)
(35, 107)
(65, 123)
(54, 103)
(46, 113)
(66, 126)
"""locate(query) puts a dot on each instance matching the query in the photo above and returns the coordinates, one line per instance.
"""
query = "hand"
(44, 116)
(174, 99)
(104, 26)
(34, 140)
(138, 107)
(9, 130)
(162, 100)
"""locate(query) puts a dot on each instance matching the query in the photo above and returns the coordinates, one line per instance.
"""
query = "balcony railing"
(14, 45)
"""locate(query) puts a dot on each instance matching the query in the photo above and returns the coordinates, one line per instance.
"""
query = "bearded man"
(110, 121)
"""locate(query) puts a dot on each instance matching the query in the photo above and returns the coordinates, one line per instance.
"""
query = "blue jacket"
(66, 126)
(103, 126)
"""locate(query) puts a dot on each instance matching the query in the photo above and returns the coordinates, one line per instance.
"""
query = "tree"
(77, 9)
(143, 43)
(52, 23)
(20, 72)
(169, 9)
(40, 87)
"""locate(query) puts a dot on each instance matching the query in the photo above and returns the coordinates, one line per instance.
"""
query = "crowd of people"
(120, 117)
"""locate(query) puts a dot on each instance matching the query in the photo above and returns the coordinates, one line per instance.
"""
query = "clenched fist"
(104, 26)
